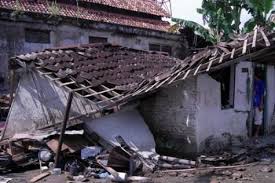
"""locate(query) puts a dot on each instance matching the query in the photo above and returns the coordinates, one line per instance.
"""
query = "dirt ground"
(262, 172)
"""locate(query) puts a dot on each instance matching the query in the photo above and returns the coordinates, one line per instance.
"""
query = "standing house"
(34, 25)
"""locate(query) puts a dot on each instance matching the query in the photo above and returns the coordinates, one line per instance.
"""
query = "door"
(243, 86)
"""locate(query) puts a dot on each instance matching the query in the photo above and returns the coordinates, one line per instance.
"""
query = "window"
(93, 39)
(162, 48)
(226, 77)
(154, 47)
(167, 49)
(37, 36)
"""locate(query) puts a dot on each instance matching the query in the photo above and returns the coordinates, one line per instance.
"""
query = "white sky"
(187, 9)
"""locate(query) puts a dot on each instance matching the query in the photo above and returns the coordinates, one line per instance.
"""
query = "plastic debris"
(90, 152)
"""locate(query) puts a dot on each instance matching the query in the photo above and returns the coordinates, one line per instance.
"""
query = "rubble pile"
(81, 158)
(4, 107)
(84, 157)
(240, 153)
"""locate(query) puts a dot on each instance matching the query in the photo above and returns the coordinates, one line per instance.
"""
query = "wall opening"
(37, 36)
(161, 48)
(93, 39)
(226, 77)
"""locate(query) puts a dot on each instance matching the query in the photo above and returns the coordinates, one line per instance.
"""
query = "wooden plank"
(244, 46)
(68, 83)
(156, 83)
(39, 177)
(221, 58)
(255, 37)
(163, 82)
(186, 74)
(82, 88)
(167, 79)
(197, 70)
(112, 90)
(233, 53)
(63, 129)
(267, 43)
(172, 80)
(97, 93)
(209, 65)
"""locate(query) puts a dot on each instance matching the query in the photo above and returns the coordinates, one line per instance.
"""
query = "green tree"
(223, 17)
(260, 11)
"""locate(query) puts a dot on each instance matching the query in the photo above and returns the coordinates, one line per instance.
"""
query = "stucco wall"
(183, 117)
(12, 39)
(171, 115)
(211, 119)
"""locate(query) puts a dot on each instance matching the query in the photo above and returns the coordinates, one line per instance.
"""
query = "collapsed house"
(34, 25)
(184, 102)
(102, 77)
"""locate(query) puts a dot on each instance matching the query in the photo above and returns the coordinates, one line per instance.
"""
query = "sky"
(187, 9)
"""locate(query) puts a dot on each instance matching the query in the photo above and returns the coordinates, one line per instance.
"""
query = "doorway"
(259, 94)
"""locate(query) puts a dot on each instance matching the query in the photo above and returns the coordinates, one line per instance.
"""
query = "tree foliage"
(224, 17)
(260, 11)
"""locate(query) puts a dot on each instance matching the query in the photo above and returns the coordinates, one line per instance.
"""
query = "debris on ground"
(266, 169)
(5, 179)
(84, 157)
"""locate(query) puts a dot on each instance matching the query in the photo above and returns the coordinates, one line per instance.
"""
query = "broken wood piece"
(172, 80)
(209, 65)
(64, 125)
(267, 43)
(209, 168)
(233, 53)
(174, 166)
(177, 160)
(221, 58)
(39, 177)
(244, 46)
(114, 173)
(186, 74)
(255, 37)
(197, 70)
(139, 178)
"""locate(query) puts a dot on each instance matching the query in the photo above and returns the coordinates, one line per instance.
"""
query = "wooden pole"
(64, 125)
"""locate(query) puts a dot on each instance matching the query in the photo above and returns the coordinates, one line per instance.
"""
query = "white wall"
(128, 124)
(270, 99)
(211, 120)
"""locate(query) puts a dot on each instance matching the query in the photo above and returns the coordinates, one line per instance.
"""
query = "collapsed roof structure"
(109, 75)
(103, 73)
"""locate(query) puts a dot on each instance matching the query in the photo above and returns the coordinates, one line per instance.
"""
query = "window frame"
(32, 36)
(100, 38)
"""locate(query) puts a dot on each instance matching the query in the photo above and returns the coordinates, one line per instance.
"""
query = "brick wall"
(171, 115)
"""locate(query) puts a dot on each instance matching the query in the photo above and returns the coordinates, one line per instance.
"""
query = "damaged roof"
(86, 13)
(103, 73)
(109, 75)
